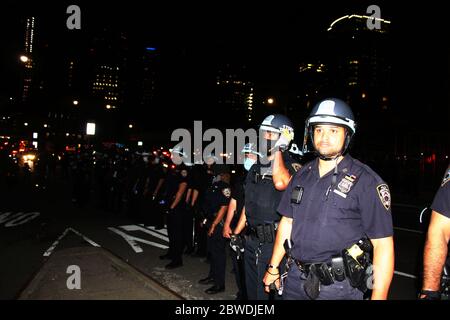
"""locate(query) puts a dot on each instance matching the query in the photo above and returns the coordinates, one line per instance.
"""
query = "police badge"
(226, 192)
(345, 185)
(384, 195)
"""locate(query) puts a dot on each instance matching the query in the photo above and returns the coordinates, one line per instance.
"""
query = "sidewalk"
(103, 276)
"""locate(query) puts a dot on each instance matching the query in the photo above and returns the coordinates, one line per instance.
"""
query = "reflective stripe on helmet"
(330, 119)
(269, 128)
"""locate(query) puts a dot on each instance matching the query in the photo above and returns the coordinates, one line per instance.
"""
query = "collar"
(343, 167)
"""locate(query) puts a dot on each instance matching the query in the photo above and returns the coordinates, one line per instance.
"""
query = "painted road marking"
(132, 241)
(17, 218)
(134, 227)
(53, 246)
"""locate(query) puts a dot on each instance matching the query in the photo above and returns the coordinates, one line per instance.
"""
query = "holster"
(312, 284)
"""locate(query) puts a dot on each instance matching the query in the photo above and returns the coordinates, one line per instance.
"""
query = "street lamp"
(130, 126)
(270, 101)
(75, 102)
(24, 59)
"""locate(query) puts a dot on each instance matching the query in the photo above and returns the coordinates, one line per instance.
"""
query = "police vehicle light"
(165, 165)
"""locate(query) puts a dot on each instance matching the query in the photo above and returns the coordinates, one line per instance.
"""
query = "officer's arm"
(181, 189)
(283, 233)
(158, 186)
(435, 251)
(273, 271)
(194, 197)
(383, 267)
(241, 222)
(188, 195)
(280, 174)
(219, 216)
(226, 227)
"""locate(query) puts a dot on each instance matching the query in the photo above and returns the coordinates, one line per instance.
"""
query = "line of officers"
(304, 224)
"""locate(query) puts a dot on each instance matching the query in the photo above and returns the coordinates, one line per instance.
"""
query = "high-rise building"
(235, 94)
(106, 86)
(360, 62)
(27, 57)
(311, 82)
(150, 68)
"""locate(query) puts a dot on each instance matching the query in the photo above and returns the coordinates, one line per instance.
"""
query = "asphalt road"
(33, 219)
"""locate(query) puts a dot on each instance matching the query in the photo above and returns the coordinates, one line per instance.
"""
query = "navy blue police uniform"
(441, 201)
(216, 196)
(441, 204)
(328, 218)
(175, 217)
(238, 194)
(261, 202)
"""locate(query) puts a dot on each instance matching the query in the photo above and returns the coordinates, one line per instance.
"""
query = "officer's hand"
(227, 232)
(271, 278)
(211, 230)
(285, 139)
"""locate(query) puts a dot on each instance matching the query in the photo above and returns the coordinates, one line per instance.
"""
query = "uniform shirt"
(172, 182)
(216, 196)
(261, 196)
(358, 204)
(441, 202)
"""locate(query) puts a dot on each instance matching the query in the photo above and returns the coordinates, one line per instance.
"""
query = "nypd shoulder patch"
(446, 177)
(227, 192)
(385, 195)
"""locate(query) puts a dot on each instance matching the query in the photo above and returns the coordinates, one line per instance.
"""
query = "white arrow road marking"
(53, 246)
(132, 241)
(161, 231)
(141, 227)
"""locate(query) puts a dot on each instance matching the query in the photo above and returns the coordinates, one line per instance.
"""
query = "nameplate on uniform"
(345, 185)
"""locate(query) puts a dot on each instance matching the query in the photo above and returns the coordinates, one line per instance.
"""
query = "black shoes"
(215, 289)
(174, 265)
(207, 280)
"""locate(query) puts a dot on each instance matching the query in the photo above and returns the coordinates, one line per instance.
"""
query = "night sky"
(271, 38)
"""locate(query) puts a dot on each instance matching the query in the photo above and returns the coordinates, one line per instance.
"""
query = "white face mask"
(248, 163)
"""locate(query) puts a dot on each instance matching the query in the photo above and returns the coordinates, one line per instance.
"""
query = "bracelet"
(271, 266)
(272, 274)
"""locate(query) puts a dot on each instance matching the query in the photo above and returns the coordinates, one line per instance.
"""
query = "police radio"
(296, 195)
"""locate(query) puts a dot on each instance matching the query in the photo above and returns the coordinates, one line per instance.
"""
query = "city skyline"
(272, 41)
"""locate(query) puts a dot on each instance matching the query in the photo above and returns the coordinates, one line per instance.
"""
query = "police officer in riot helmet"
(336, 216)
(176, 186)
(436, 273)
(215, 207)
(264, 184)
(234, 211)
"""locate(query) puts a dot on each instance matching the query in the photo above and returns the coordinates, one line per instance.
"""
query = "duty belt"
(264, 233)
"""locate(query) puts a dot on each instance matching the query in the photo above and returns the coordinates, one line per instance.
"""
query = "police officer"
(263, 190)
(329, 208)
(436, 246)
(234, 210)
(175, 193)
(215, 207)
